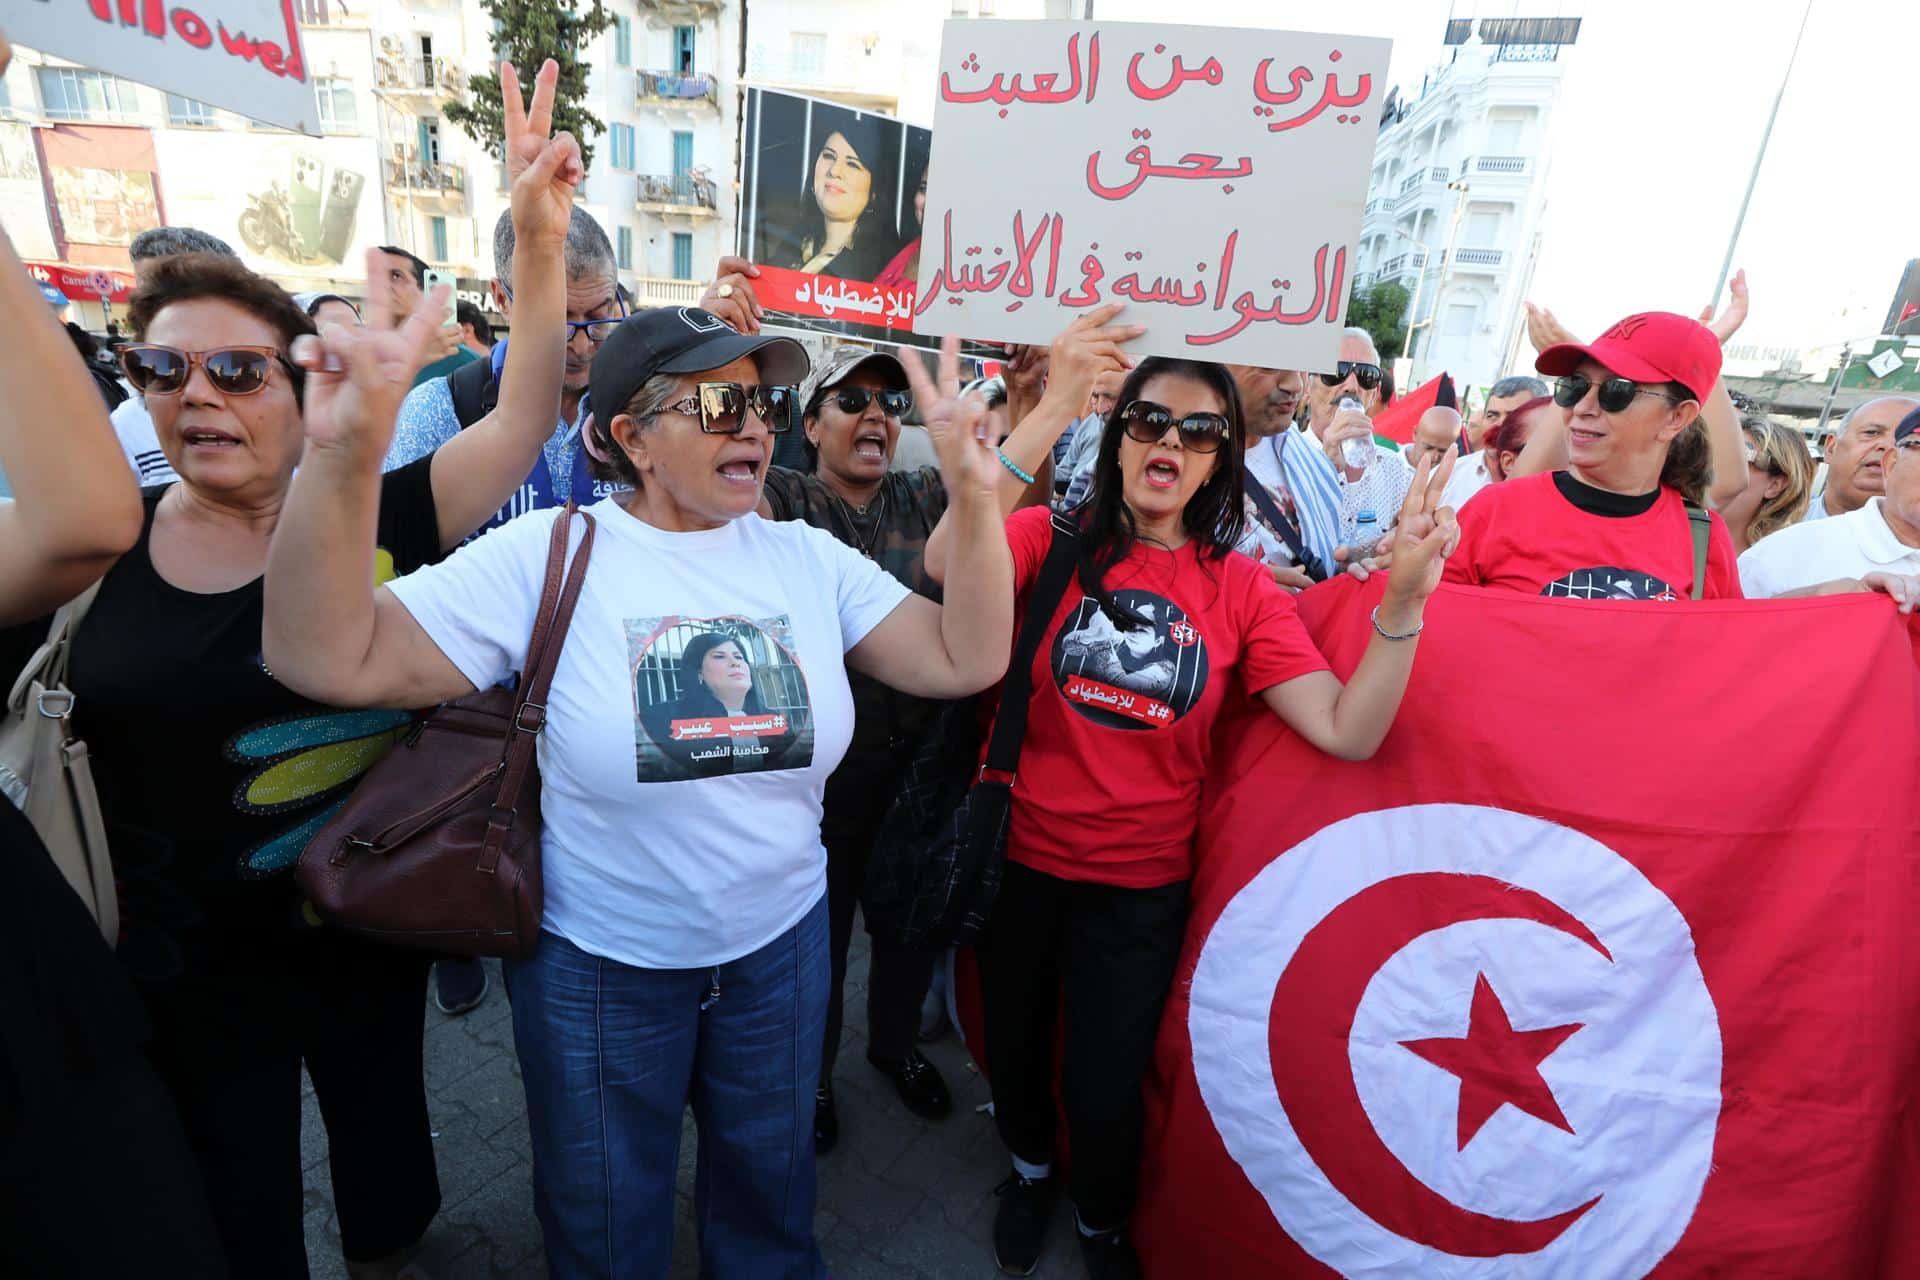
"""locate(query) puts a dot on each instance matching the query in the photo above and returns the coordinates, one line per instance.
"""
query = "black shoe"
(1020, 1225)
(1108, 1256)
(459, 986)
(919, 1084)
(826, 1121)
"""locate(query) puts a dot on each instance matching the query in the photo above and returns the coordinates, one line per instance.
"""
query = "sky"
(1660, 115)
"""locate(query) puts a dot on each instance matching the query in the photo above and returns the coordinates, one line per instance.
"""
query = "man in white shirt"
(1482, 467)
(1855, 456)
(1838, 554)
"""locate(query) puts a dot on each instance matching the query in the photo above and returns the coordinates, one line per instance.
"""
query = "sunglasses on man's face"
(1365, 376)
(721, 407)
(1147, 422)
(155, 370)
(856, 400)
(1615, 393)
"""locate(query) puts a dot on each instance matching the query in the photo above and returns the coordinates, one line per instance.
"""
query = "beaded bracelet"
(1012, 466)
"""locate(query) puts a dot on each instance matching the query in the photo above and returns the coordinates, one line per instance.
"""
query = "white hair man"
(1856, 456)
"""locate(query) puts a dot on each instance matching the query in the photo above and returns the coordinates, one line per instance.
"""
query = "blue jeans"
(611, 1055)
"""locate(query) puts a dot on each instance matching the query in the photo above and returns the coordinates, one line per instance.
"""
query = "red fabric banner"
(1603, 966)
(1397, 420)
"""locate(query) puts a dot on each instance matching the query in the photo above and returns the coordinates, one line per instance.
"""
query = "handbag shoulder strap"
(49, 662)
(1701, 525)
(1010, 725)
(1284, 525)
(555, 614)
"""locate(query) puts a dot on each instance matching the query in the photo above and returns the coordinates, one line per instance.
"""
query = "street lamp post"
(1459, 188)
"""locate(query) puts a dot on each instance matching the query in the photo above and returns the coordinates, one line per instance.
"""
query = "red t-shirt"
(1525, 535)
(1120, 732)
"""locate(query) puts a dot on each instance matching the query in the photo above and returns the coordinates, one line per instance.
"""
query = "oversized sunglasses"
(1366, 376)
(721, 407)
(234, 371)
(1615, 393)
(1147, 422)
(856, 400)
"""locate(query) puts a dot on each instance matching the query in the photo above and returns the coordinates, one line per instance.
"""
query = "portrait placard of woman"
(842, 221)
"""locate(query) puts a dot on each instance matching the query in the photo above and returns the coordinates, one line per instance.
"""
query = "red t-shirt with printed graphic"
(1120, 732)
(1530, 535)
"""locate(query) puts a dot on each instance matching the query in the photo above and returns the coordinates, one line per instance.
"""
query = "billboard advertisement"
(103, 183)
(23, 201)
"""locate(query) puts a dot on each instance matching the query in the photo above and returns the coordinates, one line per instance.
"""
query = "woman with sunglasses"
(683, 956)
(1779, 483)
(1615, 523)
(1139, 659)
(213, 773)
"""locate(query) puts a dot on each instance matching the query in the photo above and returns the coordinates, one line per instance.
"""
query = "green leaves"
(1381, 309)
(526, 33)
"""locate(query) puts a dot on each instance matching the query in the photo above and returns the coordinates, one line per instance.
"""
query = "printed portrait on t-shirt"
(1608, 583)
(1130, 677)
(716, 696)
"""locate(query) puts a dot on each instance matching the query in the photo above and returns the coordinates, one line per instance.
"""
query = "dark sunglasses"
(856, 400)
(234, 371)
(1147, 422)
(1615, 393)
(1367, 376)
(721, 406)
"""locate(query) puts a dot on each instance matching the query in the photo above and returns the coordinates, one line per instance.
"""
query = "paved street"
(899, 1198)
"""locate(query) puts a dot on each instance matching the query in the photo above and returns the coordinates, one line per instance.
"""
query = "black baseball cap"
(682, 340)
(1908, 425)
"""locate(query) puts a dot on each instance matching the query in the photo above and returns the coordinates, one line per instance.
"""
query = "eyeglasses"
(856, 400)
(1908, 443)
(597, 330)
(1615, 393)
(721, 406)
(234, 371)
(1147, 422)
(1366, 376)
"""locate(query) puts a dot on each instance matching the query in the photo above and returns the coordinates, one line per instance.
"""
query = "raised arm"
(959, 647)
(1085, 349)
(480, 468)
(1350, 721)
(76, 505)
(1729, 446)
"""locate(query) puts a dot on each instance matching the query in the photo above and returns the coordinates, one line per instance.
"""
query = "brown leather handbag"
(439, 845)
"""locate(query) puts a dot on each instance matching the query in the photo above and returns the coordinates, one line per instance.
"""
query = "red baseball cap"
(1654, 346)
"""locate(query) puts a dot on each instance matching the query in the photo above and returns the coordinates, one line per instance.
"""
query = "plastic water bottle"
(1357, 452)
(1366, 534)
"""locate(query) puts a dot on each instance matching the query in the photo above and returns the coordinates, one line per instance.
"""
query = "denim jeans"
(611, 1055)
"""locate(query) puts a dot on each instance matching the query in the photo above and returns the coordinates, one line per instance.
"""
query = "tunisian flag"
(1604, 967)
(1397, 421)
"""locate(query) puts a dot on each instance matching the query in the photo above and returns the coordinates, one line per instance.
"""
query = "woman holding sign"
(1135, 666)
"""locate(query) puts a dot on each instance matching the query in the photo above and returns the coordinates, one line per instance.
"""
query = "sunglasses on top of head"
(856, 400)
(1615, 393)
(721, 407)
(1147, 422)
(155, 370)
(1367, 376)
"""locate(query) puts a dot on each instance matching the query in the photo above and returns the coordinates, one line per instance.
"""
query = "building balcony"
(1404, 268)
(1497, 168)
(443, 181)
(1479, 260)
(664, 291)
(672, 89)
(679, 13)
(677, 193)
(436, 77)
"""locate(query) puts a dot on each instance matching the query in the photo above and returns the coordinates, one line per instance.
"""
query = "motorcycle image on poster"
(307, 218)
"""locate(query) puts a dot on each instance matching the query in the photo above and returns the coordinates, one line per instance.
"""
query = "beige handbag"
(45, 772)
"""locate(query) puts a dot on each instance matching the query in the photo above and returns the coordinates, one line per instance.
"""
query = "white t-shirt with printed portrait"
(680, 831)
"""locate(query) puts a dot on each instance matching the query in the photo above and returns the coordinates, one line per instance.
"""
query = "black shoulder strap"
(1010, 725)
(1288, 530)
(474, 391)
(1701, 525)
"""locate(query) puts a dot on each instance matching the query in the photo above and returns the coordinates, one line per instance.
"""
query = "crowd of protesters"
(312, 517)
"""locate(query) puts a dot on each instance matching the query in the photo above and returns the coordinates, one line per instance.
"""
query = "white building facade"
(1455, 205)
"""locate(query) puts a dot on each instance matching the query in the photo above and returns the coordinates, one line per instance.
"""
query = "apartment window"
(1459, 321)
(624, 248)
(339, 111)
(809, 55)
(622, 138)
(622, 42)
(426, 61)
(1483, 229)
(188, 113)
(683, 50)
(429, 140)
(74, 93)
(438, 226)
(683, 255)
(682, 158)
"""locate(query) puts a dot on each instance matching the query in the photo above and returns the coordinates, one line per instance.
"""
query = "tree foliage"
(527, 33)
(1381, 309)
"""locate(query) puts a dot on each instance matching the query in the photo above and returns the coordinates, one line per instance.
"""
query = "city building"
(1455, 203)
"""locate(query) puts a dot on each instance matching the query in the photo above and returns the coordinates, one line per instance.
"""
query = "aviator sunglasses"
(721, 407)
(856, 400)
(1366, 376)
(234, 371)
(1615, 393)
(1147, 422)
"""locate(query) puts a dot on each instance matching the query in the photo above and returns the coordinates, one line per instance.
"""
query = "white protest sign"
(244, 55)
(1212, 179)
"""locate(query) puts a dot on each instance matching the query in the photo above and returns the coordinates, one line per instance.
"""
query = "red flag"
(1396, 422)
(1907, 313)
(1602, 967)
